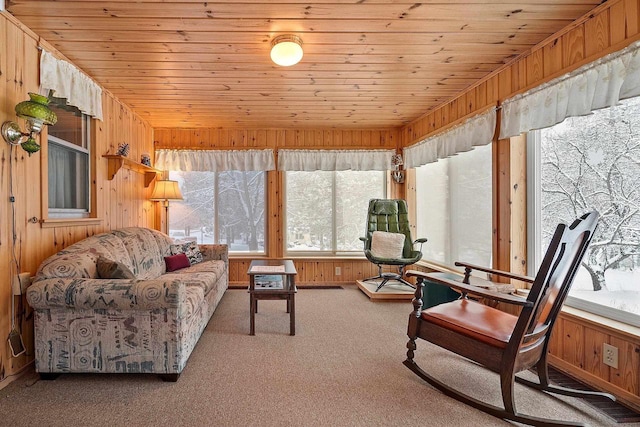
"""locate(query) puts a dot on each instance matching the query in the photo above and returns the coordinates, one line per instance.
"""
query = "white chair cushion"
(387, 245)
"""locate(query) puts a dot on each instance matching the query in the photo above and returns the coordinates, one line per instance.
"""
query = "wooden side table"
(284, 289)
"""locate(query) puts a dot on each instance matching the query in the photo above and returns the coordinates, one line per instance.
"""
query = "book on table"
(268, 281)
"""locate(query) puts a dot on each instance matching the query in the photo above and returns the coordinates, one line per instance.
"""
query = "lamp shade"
(36, 111)
(286, 50)
(166, 190)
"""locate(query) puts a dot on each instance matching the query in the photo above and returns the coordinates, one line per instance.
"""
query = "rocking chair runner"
(504, 343)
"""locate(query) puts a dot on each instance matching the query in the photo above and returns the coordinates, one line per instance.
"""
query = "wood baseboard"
(19, 374)
(625, 397)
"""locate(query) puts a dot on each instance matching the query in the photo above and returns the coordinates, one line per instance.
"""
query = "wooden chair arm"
(496, 272)
(469, 289)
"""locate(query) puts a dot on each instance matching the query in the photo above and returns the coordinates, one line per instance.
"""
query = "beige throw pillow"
(387, 245)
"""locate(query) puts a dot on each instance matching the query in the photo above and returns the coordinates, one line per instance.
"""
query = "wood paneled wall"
(120, 203)
(314, 272)
(577, 341)
(237, 139)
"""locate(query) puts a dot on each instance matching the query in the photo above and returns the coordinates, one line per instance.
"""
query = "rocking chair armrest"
(420, 240)
(469, 289)
(496, 272)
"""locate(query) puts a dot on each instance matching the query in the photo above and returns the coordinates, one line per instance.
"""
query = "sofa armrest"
(211, 252)
(107, 293)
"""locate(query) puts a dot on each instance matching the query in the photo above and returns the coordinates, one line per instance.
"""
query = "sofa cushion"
(69, 265)
(190, 249)
(106, 244)
(176, 262)
(109, 269)
(147, 258)
(204, 274)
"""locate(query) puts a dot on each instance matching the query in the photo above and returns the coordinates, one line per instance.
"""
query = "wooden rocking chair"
(504, 343)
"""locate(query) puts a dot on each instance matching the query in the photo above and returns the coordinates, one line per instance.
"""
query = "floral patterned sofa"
(149, 323)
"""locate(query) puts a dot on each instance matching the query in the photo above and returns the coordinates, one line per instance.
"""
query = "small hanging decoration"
(123, 149)
(30, 146)
(145, 159)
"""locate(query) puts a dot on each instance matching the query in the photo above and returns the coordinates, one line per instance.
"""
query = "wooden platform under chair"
(395, 290)
(392, 291)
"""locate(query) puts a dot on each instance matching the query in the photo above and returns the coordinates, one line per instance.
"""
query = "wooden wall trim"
(238, 139)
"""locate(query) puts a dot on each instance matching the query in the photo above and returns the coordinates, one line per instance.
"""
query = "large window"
(586, 163)
(68, 163)
(454, 208)
(221, 207)
(327, 211)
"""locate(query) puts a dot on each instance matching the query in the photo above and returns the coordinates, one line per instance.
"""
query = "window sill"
(328, 258)
(70, 222)
(438, 267)
(601, 322)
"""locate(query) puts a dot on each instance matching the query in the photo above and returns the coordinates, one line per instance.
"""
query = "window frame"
(453, 242)
(74, 212)
(70, 217)
(534, 233)
(359, 254)
(216, 228)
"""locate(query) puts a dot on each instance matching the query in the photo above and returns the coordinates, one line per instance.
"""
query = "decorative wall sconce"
(286, 50)
(397, 173)
(166, 191)
(37, 113)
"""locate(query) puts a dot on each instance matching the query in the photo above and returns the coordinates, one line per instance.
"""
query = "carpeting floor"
(343, 368)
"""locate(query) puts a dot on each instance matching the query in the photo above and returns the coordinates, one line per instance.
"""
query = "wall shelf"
(116, 162)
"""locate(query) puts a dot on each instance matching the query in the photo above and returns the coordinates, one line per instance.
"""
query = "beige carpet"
(343, 368)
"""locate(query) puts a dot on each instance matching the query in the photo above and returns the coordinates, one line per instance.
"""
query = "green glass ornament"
(30, 146)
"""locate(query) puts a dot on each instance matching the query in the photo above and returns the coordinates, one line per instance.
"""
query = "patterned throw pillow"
(387, 245)
(108, 269)
(176, 262)
(190, 249)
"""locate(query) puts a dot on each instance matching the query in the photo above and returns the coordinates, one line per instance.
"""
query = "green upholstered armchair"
(390, 216)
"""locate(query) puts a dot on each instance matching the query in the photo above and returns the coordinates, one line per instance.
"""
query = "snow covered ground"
(623, 290)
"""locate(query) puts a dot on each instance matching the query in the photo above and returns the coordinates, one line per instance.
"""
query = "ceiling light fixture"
(286, 50)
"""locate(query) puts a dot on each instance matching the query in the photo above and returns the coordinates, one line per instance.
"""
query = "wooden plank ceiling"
(366, 64)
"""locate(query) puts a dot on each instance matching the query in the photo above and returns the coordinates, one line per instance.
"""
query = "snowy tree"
(241, 206)
(236, 199)
(596, 167)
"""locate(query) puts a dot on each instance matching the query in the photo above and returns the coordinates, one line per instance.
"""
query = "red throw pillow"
(176, 262)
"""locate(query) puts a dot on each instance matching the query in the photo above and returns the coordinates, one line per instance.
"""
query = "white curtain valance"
(475, 131)
(70, 83)
(215, 160)
(602, 83)
(335, 160)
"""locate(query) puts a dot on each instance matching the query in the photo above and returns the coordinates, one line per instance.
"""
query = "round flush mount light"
(286, 50)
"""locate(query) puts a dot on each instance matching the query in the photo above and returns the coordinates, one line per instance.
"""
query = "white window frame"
(334, 235)
(534, 231)
(216, 221)
(452, 246)
(74, 213)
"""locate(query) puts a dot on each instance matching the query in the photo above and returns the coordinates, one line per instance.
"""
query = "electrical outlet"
(610, 355)
(338, 271)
